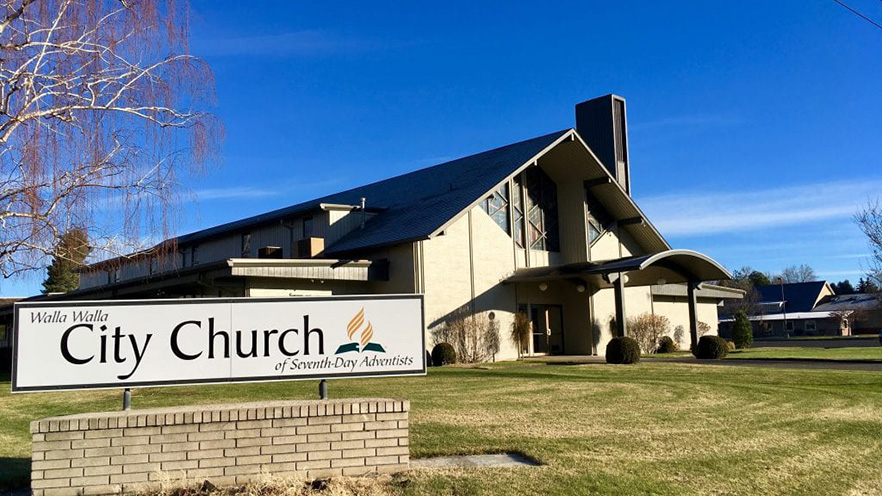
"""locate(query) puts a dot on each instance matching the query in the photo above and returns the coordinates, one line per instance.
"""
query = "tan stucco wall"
(469, 262)
(608, 247)
(402, 278)
(639, 300)
(603, 306)
(494, 261)
(446, 272)
(677, 312)
(605, 248)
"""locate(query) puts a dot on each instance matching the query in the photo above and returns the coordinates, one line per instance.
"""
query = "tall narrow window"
(517, 211)
(246, 245)
(541, 206)
(594, 228)
(496, 206)
(596, 218)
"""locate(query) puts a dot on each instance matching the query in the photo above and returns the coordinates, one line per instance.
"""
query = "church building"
(545, 226)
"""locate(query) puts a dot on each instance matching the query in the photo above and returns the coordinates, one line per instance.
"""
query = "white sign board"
(108, 344)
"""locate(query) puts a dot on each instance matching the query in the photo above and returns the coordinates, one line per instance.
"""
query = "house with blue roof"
(810, 309)
(545, 227)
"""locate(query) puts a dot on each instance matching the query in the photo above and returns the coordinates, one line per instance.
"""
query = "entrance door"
(547, 329)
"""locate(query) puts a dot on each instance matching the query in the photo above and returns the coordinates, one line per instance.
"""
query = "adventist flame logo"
(364, 343)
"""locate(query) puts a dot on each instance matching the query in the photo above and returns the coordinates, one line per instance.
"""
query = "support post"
(323, 389)
(692, 301)
(621, 323)
(127, 399)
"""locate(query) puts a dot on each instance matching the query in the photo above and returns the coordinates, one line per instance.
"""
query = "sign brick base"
(122, 452)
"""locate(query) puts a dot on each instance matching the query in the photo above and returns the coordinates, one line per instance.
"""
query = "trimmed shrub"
(711, 348)
(443, 354)
(730, 345)
(622, 350)
(742, 332)
(666, 345)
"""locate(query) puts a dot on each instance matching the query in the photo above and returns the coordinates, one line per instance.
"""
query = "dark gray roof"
(798, 296)
(857, 301)
(413, 205)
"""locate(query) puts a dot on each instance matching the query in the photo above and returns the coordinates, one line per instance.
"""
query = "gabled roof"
(798, 296)
(420, 204)
(413, 205)
(455, 187)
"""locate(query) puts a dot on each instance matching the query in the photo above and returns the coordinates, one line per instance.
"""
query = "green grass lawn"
(651, 428)
(819, 338)
(869, 353)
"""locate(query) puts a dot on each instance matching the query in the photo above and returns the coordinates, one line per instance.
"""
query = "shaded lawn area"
(660, 428)
(858, 353)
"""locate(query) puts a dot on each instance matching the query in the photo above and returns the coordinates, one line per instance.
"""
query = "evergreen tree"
(72, 250)
(867, 286)
(742, 333)
(759, 279)
(843, 287)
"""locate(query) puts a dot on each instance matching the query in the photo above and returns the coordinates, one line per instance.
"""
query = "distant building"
(811, 309)
(546, 227)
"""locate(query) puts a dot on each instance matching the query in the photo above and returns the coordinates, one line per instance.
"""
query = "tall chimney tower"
(601, 122)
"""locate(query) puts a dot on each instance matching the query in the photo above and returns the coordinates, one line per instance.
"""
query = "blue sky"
(754, 126)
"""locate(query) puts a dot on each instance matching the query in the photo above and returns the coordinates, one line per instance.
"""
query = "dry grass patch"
(652, 428)
(285, 485)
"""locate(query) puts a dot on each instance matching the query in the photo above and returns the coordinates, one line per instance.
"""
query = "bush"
(622, 350)
(521, 330)
(646, 329)
(474, 337)
(443, 354)
(666, 345)
(703, 328)
(742, 333)
(711, 348)
(730, 345)
(679, 335)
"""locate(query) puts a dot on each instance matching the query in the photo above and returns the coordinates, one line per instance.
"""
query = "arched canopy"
(666, 267)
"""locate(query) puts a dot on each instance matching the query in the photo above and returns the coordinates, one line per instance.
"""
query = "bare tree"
(475, 337)
(101, 110)
(802, 273)
(870, 221)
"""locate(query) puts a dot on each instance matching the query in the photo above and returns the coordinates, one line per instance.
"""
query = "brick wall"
(113, 452)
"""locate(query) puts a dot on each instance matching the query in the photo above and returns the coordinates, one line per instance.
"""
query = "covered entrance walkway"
(684, 267)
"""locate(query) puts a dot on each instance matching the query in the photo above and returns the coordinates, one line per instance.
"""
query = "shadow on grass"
(15, 473)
